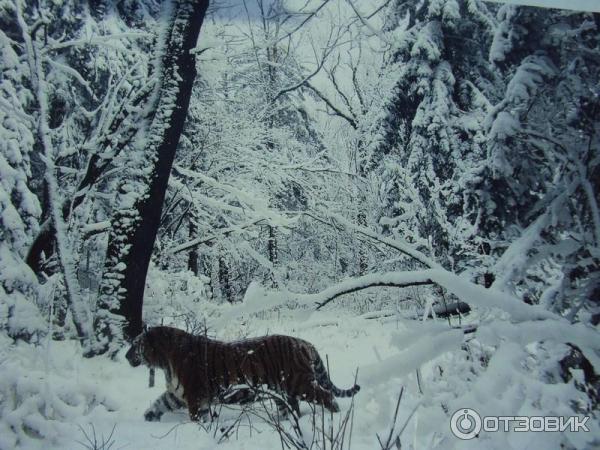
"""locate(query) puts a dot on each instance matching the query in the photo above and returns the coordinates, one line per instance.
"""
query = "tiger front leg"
(166, 402)
(286, 405)
(199, 410)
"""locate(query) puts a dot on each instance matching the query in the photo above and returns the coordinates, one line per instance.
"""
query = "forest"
(411, 186)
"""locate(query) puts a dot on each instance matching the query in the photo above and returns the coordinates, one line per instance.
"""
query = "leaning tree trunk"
(141, 195)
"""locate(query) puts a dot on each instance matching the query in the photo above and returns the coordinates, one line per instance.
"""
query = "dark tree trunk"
(272, 252)
(60, 318)
(224, 279)
(362, 251)
(193, 255)
(136, 222)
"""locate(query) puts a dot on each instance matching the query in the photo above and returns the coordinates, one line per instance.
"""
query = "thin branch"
(79, 308)
(465, 290)
(591, 197)
(98, 40)
(336, 110)
(11, 110)
(329, 47)
(337, 87)
(366, 23)
(388, 442)
(403, 247)
(375, 283)
(357, 89)
(74, 73)
(309, 16)
(374, 13)
(254, 46)
(224, 232)
(323, 170)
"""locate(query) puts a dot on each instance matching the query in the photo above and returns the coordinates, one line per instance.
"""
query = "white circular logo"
(465, 423)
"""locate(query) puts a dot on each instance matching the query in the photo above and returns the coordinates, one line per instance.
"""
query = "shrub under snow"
(41, 390)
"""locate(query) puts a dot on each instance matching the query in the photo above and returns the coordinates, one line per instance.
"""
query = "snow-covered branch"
(397, 280)
(98, 40)
(470, 293)
(77, 305)
(365, 21)
(333, 219)
(309, 15)
(255, 205)
(203, 240)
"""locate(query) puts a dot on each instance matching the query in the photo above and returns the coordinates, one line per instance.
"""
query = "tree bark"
(135, 223)
(273, 256)
(193, 254)
(362, 253)
(224, 278)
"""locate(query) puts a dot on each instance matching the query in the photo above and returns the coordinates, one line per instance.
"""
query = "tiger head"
(152, 347)
(136, 354)
(145, 348)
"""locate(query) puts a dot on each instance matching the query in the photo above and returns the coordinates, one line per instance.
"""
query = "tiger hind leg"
(237, 396)
(320, 396)
(286, 405)
(166, 402)
(199, 410)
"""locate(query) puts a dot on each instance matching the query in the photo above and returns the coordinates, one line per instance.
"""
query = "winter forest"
(412, 186)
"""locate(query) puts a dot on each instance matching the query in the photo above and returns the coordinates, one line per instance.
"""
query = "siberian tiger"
(199, 371)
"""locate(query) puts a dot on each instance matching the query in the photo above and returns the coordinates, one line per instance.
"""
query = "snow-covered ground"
(54, 380)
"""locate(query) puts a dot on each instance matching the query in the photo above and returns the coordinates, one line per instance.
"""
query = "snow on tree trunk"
(272, 251)
(19, 207)
(136, 221)
(224, 278)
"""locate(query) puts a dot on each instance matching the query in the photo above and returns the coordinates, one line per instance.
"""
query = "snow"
(514, 258)
(99, 394)
(528, 78)
(439, 121)
(427, 44)
(465, 290)
(412, 355)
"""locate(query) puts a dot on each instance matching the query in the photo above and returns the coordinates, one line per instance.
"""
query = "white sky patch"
(574, 5)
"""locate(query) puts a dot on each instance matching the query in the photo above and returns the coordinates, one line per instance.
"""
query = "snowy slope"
(387, 352)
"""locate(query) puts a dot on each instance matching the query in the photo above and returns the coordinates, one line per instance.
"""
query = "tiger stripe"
(200, 371)
(271, 365)
(165, 403)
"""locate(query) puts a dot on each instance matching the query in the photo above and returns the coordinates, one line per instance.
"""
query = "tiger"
(200, 371)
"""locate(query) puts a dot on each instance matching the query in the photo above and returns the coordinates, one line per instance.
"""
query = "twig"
(388, 442)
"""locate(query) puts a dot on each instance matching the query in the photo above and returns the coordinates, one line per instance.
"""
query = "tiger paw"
(205, 416)
(335, 407)
(151, 416)
(202, 416)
